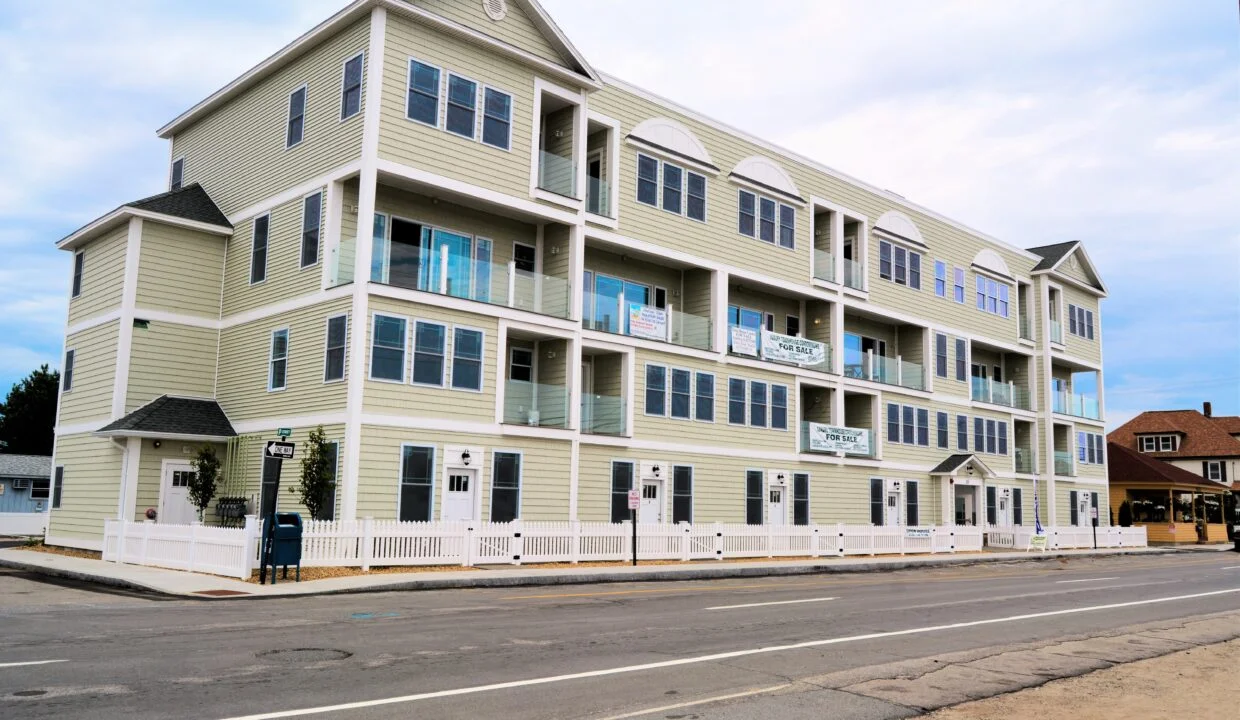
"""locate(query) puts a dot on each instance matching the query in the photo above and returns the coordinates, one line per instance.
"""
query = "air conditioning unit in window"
(21, 483)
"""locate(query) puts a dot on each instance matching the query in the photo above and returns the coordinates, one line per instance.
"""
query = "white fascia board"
(552, 32)
(161, 436)
(123, 214)
(813, 164)
(1068, 280)
(537, 211)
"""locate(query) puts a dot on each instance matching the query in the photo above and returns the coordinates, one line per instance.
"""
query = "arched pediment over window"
(671, 135)
(900, 225)
(764, 171)
(990, 260)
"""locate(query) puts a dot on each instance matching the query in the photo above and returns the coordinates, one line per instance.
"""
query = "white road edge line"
(715, 657)
(1060, 582)
(764, 604)
(30, 662)
(703, 701)
(1232, 567)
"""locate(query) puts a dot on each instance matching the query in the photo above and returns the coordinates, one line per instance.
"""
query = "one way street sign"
(282, 450)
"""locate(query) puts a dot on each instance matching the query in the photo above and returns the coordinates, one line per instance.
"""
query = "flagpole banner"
(788, 348)
(744, 341)
(829, 438)
(647, 322)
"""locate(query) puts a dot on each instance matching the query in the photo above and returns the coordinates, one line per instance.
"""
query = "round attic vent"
(496, 9)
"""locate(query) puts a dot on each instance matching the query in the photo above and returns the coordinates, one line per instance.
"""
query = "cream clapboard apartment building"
(510, 287)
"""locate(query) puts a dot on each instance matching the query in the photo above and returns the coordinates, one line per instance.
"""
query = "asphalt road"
(602, 651)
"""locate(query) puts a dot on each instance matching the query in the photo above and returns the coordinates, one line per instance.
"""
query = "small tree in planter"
(1125, 514)
(206, 476)
(318, 475)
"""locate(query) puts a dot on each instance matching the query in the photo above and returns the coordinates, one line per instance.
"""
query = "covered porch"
(1172, 504)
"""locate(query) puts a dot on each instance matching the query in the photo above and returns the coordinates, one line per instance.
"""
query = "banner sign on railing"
(787, 348)
(647, 322)
(829, 438)
(744, 341)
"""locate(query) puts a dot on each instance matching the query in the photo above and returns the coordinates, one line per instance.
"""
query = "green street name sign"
(284, 432)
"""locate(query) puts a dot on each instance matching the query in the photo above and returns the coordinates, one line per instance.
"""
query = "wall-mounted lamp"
(465, 457)
(157, 444)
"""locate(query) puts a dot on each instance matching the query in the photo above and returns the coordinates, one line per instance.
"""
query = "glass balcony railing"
(1026, 328)
(1006, 394)
(824, 266)
(1056, 332)
(779, 348)
(1063, 463)
(602, 414)
(598, 197)
(1024, 460)
(602, 313)
(535, 404)
(854, 274)
(886, 370)
(557, 174)
(1066, 403)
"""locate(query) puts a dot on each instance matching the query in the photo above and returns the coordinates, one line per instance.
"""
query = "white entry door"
(651, 510)
(776, 512)
(893, 508)
(458, 497)
(174, 505)
(1004, 512)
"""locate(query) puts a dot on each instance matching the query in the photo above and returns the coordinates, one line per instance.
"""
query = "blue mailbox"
(284, 537)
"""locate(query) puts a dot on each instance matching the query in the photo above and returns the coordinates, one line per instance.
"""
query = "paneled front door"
(458, 498)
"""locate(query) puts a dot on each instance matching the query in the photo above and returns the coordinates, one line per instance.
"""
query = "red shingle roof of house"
(1125, 465)
(1201, 436)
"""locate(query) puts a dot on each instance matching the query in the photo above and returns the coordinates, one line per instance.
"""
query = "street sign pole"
(635, 501)
(633, 515)
(1093, 511)
(278, 450)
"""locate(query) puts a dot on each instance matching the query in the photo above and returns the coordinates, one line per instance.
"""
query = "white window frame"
(440, 89)
(447, 101)
(271, 358)
(670, 391)
(520, 479)
(714, 391)
(667, 390)
(766, 405)
(770, 406)
(779, 225)
(638, 179)
(680, 206)
(511, 364)
(739, 212)
(79, 274)
(705, 197)
(327, 347)
(482, 359)
(71, 368)
(903, 279)
(939, 264)
(1214, 470)
(361, 88)
(400, 474)
(482, 94)
(266, 248)
(744, 401)
(172, 173)
(288, 116)
(444, 352)
(959, 289)
(405, 352)
(301, 242)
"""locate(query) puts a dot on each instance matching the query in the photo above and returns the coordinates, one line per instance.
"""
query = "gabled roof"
(1202, 437)
(953, 464)
(1130, 467)
(171, 416)
(1053, 256)
(26, 466)
(188, 206)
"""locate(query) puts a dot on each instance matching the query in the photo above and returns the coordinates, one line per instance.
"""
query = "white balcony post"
(623, 314)
(443, 270)
(1011, 394)
(869, 364)
(671, 314)
(899, 370)
(512, 283)
(990, 390)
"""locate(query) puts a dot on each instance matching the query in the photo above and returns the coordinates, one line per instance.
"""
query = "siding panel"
(180, 270)
(103, 276)
(94, 372)
(170, 359)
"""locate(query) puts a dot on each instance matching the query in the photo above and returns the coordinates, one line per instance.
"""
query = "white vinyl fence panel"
(23, 523)
(194, 548)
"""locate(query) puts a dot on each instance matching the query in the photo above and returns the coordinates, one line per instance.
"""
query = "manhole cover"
(29, 693)
(301, 655)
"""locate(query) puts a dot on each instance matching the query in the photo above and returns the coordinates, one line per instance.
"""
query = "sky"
(1114, 122)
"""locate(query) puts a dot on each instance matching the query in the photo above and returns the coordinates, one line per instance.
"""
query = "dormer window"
(1159, 443)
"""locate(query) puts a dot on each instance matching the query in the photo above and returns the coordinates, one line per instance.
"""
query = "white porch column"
(127, 496)
(719, 312)
(837, 245)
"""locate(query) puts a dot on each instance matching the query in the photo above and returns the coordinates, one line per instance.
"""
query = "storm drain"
(304, 655)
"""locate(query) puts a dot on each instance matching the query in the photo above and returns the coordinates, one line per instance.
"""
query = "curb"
(556, 578)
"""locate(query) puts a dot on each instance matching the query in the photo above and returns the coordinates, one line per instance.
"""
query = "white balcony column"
(622, 315)
(837, 246)
(869, 364)
(719, 310)
(331, 236)
(512, 283)
(576, 269)
(443, 270)
(927, 352)
(572, 376)
(671, 314)
(899, 370)
(837, 337)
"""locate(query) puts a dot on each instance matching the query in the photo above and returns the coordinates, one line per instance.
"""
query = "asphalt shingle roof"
(1202, 437)
(23, 466)
(951, 463)
(175, 416)
(190, 202)
(1129, 466)
(1052, 254)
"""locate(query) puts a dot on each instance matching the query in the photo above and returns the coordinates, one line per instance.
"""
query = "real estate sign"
(829, 438)
(744, 341)
(787, 348)
(647, 322)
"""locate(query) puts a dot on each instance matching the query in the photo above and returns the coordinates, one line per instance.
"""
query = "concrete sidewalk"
(195, 585)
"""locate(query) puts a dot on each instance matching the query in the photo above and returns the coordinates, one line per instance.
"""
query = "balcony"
(854, 274)
(603, 414)
(1056, 332)
(1063, 463)
(669, 325)
(557, 174)
(535, 404)
(779, 328)
(557, 149)
(824, 266)
(886, 370)
(1006, 394)
(598, 196)
(1066, 403)
(1024, 460)
(646, 297)
(1026, 329)
(535, 372)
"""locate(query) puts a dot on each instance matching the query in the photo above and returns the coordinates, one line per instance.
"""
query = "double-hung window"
(647, 180)
(981, 292)
(944, 434)
(351, 87)
(681, 394)
(496, 118)
(958, 284)
(909, 415)
(417, 483)
(428, 353)
(899, 265)
(682, 494)
(779, 407)
(962, 360)
(736, 401)
(466, 359)
(1003, 300)
(912, 506)
(505, 486)
(753, 497)
(923, 427)
(992, 437)
(277, 362)
(940, 278)
(656, 390)
(877, 510)
(387, 348)
(893, 423)
(521, 365)
(787, 226)
(992, 296)
(66, 377)
(800, 499)
(334, 354)
(1089, 448)
(766, 219)
(1213, 470)
(1081, 322)
(962, 432)
(621, 483)
(258, 249)
(695, 208)
(979, 434)
(58, 488)
(673, 188)
(296, 126)
(462, 106)
(1003, 438)
(79, 259)
(422, 103)
(748, 213)
(940, 355)
(177, 175)
(704, 397)
(311, 218)
(757, 403)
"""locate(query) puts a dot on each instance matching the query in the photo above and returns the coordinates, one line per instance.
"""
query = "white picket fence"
(23, 523)
(368, 543)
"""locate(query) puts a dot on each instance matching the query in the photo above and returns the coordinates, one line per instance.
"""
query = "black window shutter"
(876, 501)
(621, 482)
(1072, 508)
(991, 511)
